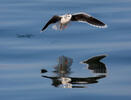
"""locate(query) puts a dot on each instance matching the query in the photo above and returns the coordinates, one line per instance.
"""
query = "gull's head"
(68, 16)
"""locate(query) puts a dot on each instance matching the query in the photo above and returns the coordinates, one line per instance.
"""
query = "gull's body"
(65, 19)
(80, 17)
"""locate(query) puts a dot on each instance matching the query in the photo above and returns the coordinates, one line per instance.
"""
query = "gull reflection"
(63, 70)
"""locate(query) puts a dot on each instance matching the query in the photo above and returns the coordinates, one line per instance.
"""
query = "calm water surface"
(24, 51)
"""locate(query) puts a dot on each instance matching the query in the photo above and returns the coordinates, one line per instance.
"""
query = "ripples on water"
(22, 58)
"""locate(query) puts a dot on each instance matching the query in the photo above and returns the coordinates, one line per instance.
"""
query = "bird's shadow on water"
(24, 36)
(62, 73)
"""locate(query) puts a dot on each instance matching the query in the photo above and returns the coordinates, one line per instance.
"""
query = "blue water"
(24, 51)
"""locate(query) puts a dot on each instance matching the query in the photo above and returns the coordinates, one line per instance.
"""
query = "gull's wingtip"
(41, 31)
(105, 26)
(98, 26)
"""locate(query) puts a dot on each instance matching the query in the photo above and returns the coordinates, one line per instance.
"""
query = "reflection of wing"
(77, 82)
(95, 64)
(54, 19)
(94, 59)
(88, 80)
(83, 17)
(98, 67)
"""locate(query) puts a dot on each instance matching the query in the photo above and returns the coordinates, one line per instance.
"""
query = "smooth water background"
(22, 58)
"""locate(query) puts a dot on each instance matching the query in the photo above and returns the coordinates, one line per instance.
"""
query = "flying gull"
(63, 21)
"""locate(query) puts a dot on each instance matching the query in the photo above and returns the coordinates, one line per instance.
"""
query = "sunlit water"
(24, 51)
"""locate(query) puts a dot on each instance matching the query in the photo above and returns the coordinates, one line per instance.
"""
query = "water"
(25, 51)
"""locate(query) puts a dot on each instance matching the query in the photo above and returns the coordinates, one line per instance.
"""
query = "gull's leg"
(61, 26)
(65, 26)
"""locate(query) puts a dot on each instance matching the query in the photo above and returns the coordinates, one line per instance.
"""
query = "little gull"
(62, 21)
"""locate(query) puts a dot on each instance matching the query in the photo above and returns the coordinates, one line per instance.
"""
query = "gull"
(63, 20)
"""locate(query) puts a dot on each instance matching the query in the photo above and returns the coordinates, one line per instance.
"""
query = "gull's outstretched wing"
(54, 19)
(84, 17)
